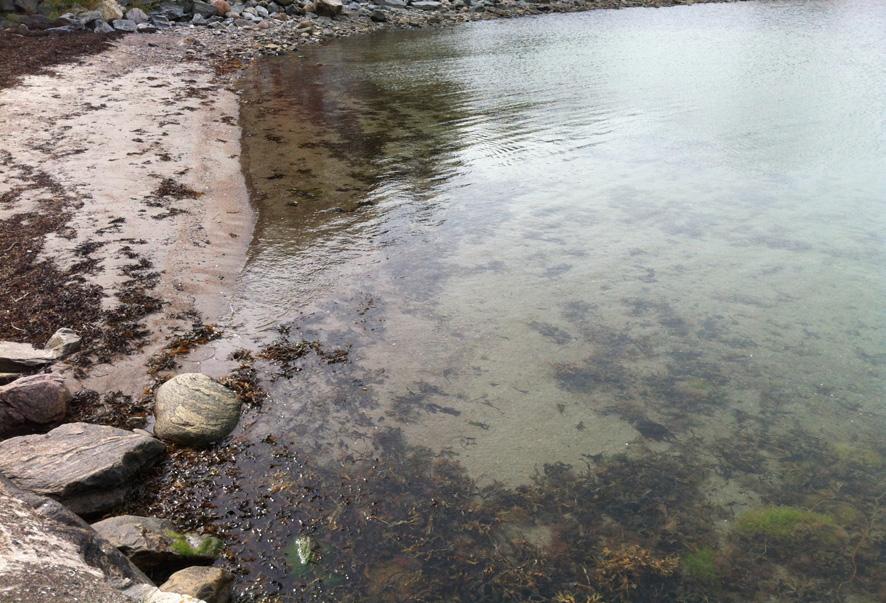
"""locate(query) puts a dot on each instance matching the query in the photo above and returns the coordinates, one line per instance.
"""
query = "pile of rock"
(49, 479)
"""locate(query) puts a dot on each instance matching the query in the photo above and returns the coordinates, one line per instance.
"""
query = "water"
(610, 287)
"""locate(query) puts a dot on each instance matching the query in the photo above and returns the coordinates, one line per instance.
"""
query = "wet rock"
(88, 468)
(52, 556)
(110, 10)
(137, 15)
(328, 8)
(154, 545)
(63, 342)
(210, 584)
(204, 9)
(124, 25)
(29, 403)
(193, 410)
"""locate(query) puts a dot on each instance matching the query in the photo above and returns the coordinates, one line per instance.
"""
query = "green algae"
(784, 524)
(700, 565)
(208, 546)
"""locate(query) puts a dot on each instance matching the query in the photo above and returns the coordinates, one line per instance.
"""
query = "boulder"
(50, 555)
(328, 8)
(110, 10)
(88, 468)
(170, 10)
(29, 403)
(146, 28)
(221, 6)
(137, 15)
(124, 25)
(193, 410)
(154, 545)
(210, 584)
(103, 28)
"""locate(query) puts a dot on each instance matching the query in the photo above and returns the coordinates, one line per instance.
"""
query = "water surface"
(608, 283)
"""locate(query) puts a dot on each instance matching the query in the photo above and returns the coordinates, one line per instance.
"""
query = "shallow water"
(567, 256)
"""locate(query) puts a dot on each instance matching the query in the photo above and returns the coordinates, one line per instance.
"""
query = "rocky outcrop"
(193, 410)
(29, 403)
(50, 555)
(154, 545)
(87, 467)
(210, 584)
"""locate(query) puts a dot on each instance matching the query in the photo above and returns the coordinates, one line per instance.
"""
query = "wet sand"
(141, 151)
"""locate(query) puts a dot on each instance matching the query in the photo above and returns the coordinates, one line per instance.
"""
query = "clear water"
(621, 273)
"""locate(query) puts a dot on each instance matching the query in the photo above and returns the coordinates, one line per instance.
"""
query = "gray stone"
(137, 15)
(210, 584)
(124, 25)
(32, 402)
(204, 8)
(63, 342)
(328, 8)
(15, 356)
(146, 28)
(88, 468)
(52, 556)
(426, 5)
(90, 16)
(379, 16)
(161, 21)
(171, 11)
(102, 27)
(193, 410)
(262, 12)
(198, 19)
(154, 544)
(392, 3)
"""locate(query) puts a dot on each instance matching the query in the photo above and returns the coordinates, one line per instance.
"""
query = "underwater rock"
(28, 403)
(194, 410)
(210, 584)
(86, 467)
(154, 545)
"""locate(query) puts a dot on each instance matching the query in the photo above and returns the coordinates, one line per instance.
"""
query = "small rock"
(90, 16)
(193, 410)
(211, 584)
(146, 28)
(32, 402)
(124, 25)
(426, 5)
(103, 28)
(161, 21)
(63, 342)
(328, 8)
(137, 15)
(392, 3)
(378, 16)
(154, 545)
(86, 467)
(170, 10)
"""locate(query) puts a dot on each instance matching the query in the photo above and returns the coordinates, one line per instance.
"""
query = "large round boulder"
(193, 410)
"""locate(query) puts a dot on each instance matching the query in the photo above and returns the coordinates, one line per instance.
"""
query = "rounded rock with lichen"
(192, 409)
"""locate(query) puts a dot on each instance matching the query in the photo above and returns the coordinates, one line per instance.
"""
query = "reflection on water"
(610, 287)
